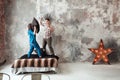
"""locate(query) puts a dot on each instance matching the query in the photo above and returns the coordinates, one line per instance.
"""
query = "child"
(47, 38)
(32, 40)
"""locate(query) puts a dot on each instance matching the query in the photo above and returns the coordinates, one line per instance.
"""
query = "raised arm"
(41, 22)
(35, 30)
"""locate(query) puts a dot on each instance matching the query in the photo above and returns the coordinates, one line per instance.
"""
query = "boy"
(47, 37)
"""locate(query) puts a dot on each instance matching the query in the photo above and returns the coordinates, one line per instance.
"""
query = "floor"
(75, 71)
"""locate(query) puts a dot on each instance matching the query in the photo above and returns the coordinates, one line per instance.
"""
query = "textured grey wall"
(2, 32)
(79, 25)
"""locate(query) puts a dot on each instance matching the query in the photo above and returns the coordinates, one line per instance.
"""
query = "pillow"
(36, 23)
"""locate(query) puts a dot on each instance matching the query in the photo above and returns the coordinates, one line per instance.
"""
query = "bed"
(47, 63)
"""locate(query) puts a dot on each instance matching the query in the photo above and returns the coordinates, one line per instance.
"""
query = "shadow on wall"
(115, 55)
(67, 51)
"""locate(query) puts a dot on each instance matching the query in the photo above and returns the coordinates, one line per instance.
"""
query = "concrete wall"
(79, 25)
(2, 32)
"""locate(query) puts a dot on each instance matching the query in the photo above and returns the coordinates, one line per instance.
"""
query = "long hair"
(30, 27)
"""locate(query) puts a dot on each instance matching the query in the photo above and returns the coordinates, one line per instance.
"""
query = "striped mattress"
(34, 65)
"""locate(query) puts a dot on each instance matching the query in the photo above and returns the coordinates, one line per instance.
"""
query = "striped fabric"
(39, 63)
(43, 62)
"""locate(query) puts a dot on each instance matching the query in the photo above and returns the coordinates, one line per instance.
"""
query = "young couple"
(47, 39)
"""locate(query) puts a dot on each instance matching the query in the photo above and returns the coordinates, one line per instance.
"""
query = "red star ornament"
(101, 53)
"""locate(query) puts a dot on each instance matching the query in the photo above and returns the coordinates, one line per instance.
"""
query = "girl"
(32, 40)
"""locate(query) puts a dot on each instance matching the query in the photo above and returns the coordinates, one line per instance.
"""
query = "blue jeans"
(36, 46)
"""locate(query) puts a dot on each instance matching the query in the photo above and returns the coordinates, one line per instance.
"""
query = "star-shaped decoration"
(101, 53)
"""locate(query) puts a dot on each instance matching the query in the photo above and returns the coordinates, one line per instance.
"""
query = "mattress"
(35, 64)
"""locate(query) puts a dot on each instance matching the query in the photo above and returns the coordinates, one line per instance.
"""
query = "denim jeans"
(36, 46)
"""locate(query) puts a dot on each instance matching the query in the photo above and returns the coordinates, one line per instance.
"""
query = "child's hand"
(41, 19)
(35, 30)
